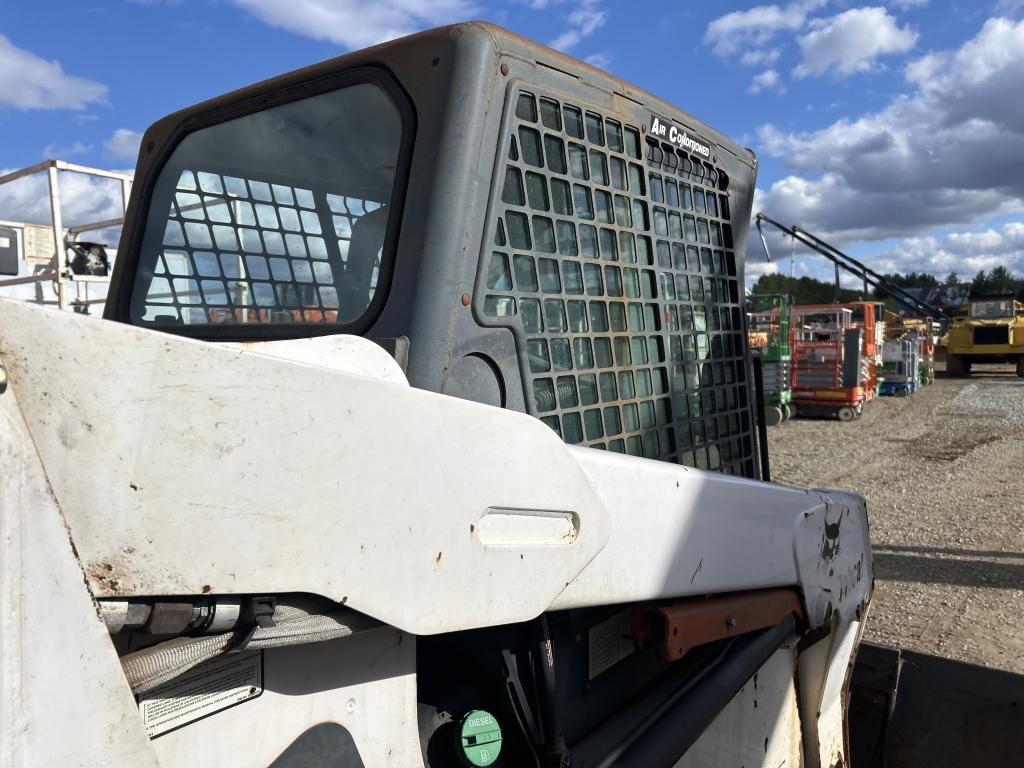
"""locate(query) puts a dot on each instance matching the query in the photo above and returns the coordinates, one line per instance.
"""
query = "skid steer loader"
(419, 431)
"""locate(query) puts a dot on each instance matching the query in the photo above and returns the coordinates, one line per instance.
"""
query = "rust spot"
(106, 577)
(207, 589)
(472, 527)
(344, 599)
(438, 558)
(133, 486)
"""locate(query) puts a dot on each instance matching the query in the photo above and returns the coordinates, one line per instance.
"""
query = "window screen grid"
(575, 256)
(236, 245)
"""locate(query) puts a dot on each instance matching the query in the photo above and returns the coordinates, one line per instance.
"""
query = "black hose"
(666, 740)
(611, 758)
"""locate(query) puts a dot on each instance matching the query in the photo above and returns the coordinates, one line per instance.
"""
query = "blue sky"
(895, 129)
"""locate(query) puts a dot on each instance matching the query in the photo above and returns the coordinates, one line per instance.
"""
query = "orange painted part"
(257, 315)
(676, 627)
(852, 397)
(868, 347)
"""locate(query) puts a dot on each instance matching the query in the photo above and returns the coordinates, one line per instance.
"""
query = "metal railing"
(58, 271)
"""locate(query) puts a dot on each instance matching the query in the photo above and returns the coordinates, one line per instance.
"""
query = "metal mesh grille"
(244, 250)
(612, 262)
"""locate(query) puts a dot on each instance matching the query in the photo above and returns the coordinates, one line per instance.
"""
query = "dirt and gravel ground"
(943, 474)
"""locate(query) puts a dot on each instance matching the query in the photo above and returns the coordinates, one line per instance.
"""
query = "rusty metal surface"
(684, 624)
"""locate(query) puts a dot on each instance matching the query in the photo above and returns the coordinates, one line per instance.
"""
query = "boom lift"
(419, 431)
(870, 278)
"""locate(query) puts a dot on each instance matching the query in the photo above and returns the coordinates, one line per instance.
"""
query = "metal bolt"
(730, 623)
(3, 379)
(504, 69)
(465, 299)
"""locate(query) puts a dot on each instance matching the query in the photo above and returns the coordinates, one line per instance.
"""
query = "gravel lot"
(943, 474)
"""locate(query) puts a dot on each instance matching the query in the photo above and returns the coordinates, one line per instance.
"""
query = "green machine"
(768, 334)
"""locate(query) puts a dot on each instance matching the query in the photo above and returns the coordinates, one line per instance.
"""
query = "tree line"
(808, 290)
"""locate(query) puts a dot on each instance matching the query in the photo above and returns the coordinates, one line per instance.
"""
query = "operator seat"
(354, 285)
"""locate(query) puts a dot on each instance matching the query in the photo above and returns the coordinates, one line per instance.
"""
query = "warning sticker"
(211, 687)
(610, 642)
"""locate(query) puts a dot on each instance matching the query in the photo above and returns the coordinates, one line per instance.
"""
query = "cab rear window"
(278, 217)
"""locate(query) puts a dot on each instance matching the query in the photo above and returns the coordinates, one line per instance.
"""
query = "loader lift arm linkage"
(851, 265)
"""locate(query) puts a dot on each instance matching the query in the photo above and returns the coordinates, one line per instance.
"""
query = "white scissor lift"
(34, 254)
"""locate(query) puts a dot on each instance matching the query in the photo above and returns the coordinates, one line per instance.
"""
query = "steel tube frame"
(59, 273)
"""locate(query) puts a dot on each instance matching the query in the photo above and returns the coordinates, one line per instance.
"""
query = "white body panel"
(332, 682)
(190, 468)
(760, 727)
(178, 467)
(63, 698)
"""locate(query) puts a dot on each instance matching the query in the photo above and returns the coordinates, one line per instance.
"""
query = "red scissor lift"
(827, 354)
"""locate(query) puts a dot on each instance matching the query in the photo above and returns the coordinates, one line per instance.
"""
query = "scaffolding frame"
(58, 271)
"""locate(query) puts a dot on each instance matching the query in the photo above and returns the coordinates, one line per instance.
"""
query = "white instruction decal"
(5, 242)
(210, 687)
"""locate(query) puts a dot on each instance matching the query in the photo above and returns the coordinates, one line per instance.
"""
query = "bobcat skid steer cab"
(324, 488)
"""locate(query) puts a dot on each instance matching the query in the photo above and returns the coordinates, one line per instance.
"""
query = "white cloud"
(741, 32)
(963, 252)
(83, 199)
(752, 270)
(55, 151)
(905, 4)
(30, 82)
(599, 60)
(748, 33)
(851, 42)
(585, 19)
(755, 57)
(123, 144)
(947, 153)
(356, 24)
(766, 81)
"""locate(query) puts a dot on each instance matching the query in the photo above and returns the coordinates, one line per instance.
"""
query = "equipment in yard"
(865, 316)
(928, 335)
(900, 363)
(322, 487)
(827, 371)
(769, 336)
(992, 332)
(924, 331)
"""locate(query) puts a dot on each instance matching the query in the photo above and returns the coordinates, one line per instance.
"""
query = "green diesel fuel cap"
(479, 738)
